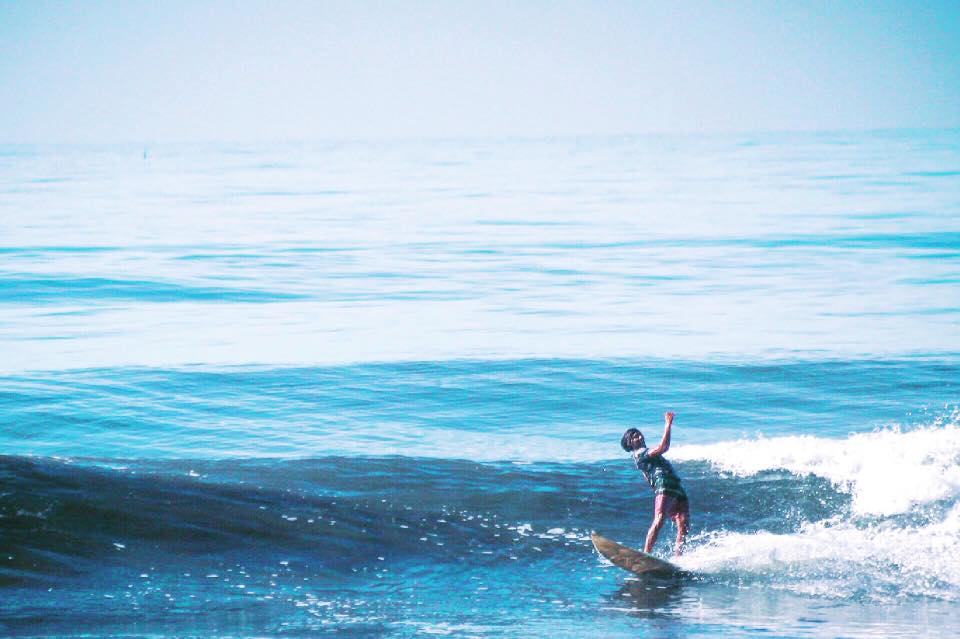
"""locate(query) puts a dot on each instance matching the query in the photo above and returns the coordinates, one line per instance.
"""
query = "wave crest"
(887, 471)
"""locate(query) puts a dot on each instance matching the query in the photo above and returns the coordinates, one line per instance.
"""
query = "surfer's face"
(636, 441)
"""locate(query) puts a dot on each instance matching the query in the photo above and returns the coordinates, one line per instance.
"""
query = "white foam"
(837, 558)
(887, 471)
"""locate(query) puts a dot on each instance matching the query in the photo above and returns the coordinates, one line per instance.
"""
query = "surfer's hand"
(668, 417)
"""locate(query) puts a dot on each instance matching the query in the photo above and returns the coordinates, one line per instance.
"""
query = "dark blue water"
(379, 389)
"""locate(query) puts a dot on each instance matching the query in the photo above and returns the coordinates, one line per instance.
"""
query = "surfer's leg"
(681, 517)
(660, 505)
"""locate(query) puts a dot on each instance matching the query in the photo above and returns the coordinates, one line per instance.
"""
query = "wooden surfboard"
(639, 563)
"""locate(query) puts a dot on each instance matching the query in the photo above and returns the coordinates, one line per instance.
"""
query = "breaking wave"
(886, 472)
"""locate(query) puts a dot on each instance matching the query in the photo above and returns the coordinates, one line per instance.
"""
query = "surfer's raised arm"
(664, 445)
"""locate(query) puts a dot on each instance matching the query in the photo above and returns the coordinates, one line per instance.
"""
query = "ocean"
(377, 388)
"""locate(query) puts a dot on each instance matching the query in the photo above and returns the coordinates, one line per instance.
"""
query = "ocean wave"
(327, 519)
(841, 559)
(61, 519)
(887, 471)
(64, 517)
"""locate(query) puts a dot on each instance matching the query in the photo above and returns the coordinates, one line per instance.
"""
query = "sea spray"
(887, 471)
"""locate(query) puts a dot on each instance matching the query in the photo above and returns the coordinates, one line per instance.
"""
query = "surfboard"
(639, 563)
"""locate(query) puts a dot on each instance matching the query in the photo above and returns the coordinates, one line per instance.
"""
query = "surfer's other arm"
(664, 444)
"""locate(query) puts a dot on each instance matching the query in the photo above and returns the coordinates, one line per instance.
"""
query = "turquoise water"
(379, 388)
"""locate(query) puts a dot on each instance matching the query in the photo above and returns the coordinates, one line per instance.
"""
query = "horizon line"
(483, 137)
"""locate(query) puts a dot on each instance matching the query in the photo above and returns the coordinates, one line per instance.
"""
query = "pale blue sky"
(191, 70)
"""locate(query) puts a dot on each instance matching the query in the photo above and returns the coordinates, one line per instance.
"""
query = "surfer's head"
(632, 440)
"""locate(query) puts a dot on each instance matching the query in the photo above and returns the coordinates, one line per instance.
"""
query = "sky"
(255, 71)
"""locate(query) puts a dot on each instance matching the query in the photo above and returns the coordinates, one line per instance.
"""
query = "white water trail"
(839, 559)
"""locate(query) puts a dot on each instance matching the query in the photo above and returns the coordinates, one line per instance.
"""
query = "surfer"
(670, 498)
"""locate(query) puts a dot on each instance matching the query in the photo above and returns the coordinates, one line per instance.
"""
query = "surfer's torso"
(659, 473)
